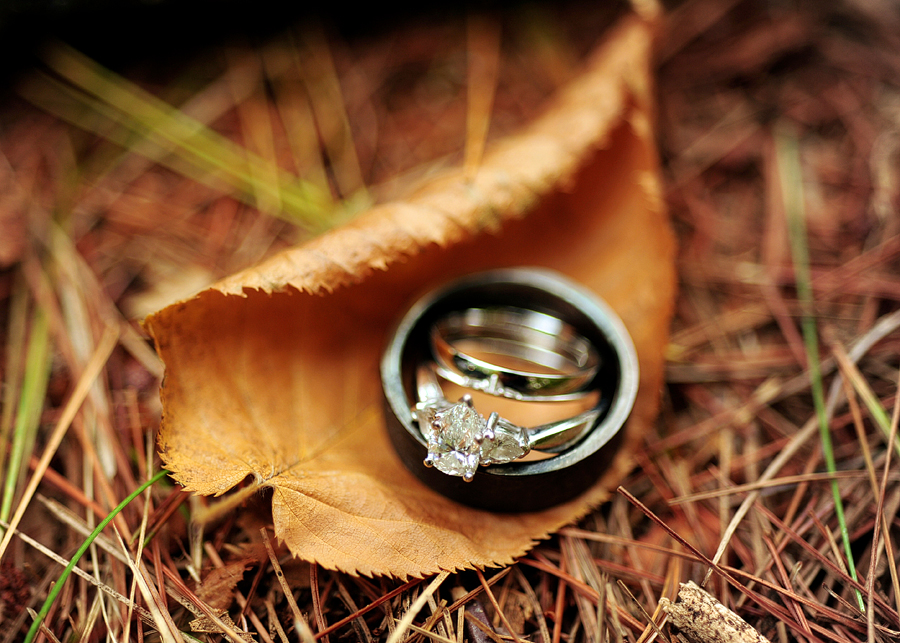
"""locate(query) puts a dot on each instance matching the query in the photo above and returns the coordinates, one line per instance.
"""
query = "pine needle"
(407, 619)
(484, 62)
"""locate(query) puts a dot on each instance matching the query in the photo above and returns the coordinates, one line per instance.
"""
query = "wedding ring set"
(460, 439)
(529, 338)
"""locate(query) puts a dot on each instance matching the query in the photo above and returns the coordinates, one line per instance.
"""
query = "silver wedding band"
(569, 360)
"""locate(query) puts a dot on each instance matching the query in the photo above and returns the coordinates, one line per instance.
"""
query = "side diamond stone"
(509, 443)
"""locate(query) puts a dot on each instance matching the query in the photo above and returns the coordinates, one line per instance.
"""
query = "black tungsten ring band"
(518, 486)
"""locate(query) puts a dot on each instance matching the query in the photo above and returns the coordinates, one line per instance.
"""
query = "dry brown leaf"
(273, 372)
(218, 584)
(206, 625)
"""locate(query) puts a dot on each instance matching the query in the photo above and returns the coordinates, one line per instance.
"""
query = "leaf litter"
(736, 389)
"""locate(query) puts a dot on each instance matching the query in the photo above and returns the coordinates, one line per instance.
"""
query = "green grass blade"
(865, 392)
(211, 154)
(791, 178)
(57, 587)
(31, 403)
(15, 339)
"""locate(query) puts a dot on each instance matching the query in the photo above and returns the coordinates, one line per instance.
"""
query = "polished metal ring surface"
(460, 439)
(517, 485)
(554, 361)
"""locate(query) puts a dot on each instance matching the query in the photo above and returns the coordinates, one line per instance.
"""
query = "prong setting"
(460, 439)
(492, 420)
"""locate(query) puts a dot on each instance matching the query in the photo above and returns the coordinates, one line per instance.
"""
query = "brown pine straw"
(729, 485)
(730, 575)
(300, 622)
(493, 600)
(878, 491)
(650, 620)
(581, 588)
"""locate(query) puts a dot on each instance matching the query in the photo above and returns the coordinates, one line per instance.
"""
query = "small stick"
(703, 619)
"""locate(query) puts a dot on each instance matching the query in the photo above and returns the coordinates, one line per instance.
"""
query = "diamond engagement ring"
(460, 439)
(507, 331)
(568, 361)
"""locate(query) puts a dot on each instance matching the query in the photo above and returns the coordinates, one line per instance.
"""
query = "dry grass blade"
(878, 491)
(539, 613)
(651, 622)
(91, 372)
(879, 520)
(79, 526)
(275, 623)
(316, 63)
(559, 604)
(407, 619)
(362, 629)
(316, 598)
(33, 390)
(49, 603)
(146, 616)
(166, 627)
(768, 484)
(429, 634)
(584, 568)
(851, 372)
(832, 567)
(484, 628)
(786, 583)
(585, 590)
(885, 326)
(17, 312)
(209, 154)
(714, 567)
(386, 597)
